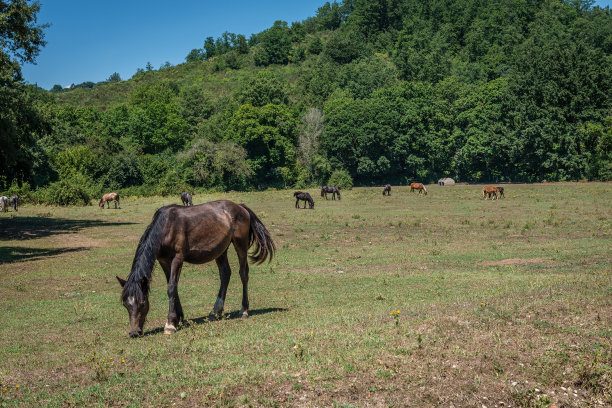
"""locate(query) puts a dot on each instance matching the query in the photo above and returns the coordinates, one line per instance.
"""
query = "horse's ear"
(121, 281)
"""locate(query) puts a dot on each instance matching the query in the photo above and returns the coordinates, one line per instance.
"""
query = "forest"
(365, 92)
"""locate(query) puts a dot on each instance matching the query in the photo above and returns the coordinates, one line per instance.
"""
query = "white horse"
(4, 204)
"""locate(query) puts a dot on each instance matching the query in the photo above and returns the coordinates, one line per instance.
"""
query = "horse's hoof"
(169, 329)
(213, 317)
(244, 313)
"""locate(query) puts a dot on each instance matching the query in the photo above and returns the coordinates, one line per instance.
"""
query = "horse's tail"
(259, 235)
(146, 255)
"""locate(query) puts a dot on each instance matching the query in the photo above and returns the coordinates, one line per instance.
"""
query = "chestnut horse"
(418, 186)
(387, 189)
(186, 198)
(107, 198)
(488, 191)
(197, 235)
(330, 189)
(299, 195)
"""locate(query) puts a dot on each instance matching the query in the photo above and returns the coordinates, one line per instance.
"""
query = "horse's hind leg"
(224, 274)
(172, 270)
(241, 248)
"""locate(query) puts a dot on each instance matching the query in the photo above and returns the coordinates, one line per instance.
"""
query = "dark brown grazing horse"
(299, 195)
(488, 191)
(418, 186)
(186, 198)
(387, 189)
(107, 198)
(330, 189)
(197, 235)
(14, 201)
(500, 190)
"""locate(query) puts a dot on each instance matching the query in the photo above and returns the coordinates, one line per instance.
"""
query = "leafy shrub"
(72, 191)
(342, 179)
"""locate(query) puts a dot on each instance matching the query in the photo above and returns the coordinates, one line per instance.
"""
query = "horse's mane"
(139, 280)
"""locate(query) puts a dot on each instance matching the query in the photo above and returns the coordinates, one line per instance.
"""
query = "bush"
(341, 179)
(73, 191)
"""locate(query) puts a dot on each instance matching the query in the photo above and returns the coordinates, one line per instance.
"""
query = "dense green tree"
(276, 42)
(268, 134)
(20, 122)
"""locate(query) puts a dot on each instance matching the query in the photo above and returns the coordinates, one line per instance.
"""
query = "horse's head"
(136, 301)
(311, 203)
(101, 203)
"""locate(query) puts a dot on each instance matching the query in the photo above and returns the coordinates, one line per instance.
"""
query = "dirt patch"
(79, 241)
(522, 261)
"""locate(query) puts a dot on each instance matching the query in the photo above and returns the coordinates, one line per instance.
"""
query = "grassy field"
(445, 300)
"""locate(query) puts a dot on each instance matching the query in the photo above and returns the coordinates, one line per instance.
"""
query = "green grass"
(497, 299)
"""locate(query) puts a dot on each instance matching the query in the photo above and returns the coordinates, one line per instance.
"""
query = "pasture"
(404, 300)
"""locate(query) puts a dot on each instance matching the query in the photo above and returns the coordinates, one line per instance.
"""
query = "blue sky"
(90, 39)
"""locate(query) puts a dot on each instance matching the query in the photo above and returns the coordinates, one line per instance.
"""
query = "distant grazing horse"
(330, 189)
(4, 203)
(500, 190)
(186, 198)
(299, 195)
(418, 186)
(197, 235)
(387, 189)
(107, 198)
(13, 201)
(488, 191)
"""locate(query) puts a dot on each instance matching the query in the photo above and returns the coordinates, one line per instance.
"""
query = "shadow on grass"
(22, 228)
(205, 319)
(20, 254)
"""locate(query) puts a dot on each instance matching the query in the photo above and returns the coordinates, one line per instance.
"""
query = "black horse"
(186, 199)
(500, 190)
(330, 189)
(13, 201)
(299, 195)
(387, 189)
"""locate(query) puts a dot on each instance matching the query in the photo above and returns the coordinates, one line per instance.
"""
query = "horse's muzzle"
(136, 333)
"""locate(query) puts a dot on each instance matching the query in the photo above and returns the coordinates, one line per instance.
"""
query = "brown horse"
(107, 198)
(387, 189)
(500, 190)
(197, 235)
(488, 191)
(418, 186)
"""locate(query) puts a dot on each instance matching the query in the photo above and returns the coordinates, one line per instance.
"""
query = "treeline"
(378, 91)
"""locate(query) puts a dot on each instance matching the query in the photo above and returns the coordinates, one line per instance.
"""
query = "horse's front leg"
(172, 270)
(224, 274)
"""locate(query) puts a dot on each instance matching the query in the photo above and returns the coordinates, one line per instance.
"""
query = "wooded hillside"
(383, 91)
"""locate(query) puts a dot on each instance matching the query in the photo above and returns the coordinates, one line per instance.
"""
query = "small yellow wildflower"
(110, 358)
(398, 312)
(481, 303)
(123, 361)
(17, 386)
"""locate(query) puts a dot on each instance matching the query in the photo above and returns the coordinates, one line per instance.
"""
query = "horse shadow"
(206, 319)
(19, 254)
(23, 228)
